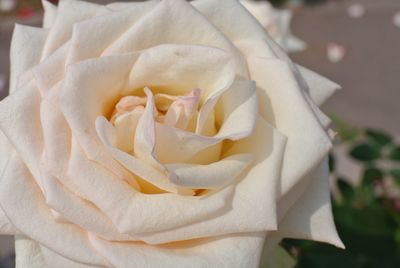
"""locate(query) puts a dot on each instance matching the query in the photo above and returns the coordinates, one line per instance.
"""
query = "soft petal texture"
(212, 176)
(320, 88)
(50, 13)
(232, 251)
(311, 216)
(268, 153)
(22, 56)
(21, 199)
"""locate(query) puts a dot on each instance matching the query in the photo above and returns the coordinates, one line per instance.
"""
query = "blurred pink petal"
(396, 19)
(356, 11)
(335, 52)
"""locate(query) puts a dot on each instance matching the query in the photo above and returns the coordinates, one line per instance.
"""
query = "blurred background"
(356, 44)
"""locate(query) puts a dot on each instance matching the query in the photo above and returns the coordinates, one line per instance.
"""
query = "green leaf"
(372, 175)
(331, 162)
(345, 189)
(379, 137)
(395, 154)
(365, 152)
(396, 175)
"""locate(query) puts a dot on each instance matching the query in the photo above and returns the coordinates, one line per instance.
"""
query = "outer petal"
(320, 88)
(229, 251)
(23, 56)
(311, 216)
(50, 13)
(21, 199)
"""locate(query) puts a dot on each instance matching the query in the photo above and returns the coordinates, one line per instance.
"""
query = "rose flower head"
(159, 134)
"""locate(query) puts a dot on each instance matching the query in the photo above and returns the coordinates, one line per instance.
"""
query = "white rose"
(159, 134)
(276, 22)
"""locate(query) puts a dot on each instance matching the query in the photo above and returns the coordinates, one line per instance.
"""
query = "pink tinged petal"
(227, 251)
(212, 176)
(259, 185)
(124, 205)
(311, 217)
(68, 13)
(23, 56)
(21, 199)
(159, 178)
(335, 52)
(396, 19)
(182, 110)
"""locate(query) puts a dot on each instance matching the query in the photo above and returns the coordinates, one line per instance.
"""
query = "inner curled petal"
(182, 110)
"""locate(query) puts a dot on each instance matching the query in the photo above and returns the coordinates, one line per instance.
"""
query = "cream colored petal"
(125, 129)
(145, 136)
(28, 253)
(69, 12)
(50, 13)
(311, 216)
(51, 70)
(90, 89)
(21, 199)
(212, 176)
(78, 211)
(137, 166)
(291, 114)
(228, 251)
(20, 123)
(31, 254)
(237, 116)
(178, 69)
(125, 206)
(239, 111)
(174, 145)
(91, 37)
(174, 22)
(6, 227)
(22, 55)
(320, 88)
(258, 186)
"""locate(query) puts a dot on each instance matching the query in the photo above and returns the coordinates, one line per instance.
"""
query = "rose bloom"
(159, 134)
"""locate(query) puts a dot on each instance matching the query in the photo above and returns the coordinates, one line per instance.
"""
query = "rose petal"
(212, 176)
(311, 216)
(91, 37)
(68, 13)
(174, 21)
(122, 203)
(22, 56)
(50, 13)
(21, 199)
(307, 141)
(258, 186)
(230, 251)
